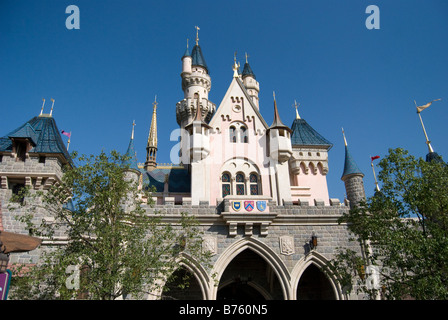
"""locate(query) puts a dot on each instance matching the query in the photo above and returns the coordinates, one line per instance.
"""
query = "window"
(253, 181)
(244, 137)
(225, 180)
(18, 190)
(240, 190)
(232, 134)
(42, 159)
(21, 151)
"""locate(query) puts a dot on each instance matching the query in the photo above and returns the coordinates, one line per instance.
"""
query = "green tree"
(403, 231)
(108, 236)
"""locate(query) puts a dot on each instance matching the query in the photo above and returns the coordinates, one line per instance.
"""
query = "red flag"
(66, 133)
(375, 157)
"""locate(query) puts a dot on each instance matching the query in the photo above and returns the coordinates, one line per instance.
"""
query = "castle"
(259, 191)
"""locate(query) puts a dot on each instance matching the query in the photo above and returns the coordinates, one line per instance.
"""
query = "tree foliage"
(106, 234)
(403, 231)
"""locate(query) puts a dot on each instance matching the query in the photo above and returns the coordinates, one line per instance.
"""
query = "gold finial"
(419, 110)
(187, 43)
(235, 66)
(273, 93)
(133, 125)
(345, 140)
(197, 35)
(246, 57)
(297, 106)
(42, 109)
(155, 101)
(51, 111)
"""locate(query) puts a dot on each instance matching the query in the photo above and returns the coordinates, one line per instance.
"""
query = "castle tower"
(250, 82)
(353, 179)
(195, 80)
(197, 151)
(280, 150)
(151, 147)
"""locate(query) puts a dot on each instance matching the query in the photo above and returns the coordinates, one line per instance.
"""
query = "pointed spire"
(196, 54)
(247, 70)
(132, 161)
(152, 139)
(151, 147)
(187, 51)
(297, 106)
(277, 123)
(350, 166)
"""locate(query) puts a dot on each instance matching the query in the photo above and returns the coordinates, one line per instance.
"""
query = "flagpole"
(374, 175)
(424, 131)
(68, 143)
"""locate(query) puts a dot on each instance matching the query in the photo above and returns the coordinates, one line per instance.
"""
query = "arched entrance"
(249, 277)
(314, 285)
(182, 285)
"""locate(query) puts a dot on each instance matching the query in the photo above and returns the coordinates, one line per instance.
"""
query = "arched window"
(226, 187)
(232, 134)
(253, 184)
(244, 138)
(240, 189)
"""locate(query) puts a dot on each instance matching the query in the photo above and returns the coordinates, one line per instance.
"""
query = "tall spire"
(151, 147)
(196, 54)
(350, 166)
(277, 123)
(132, 160)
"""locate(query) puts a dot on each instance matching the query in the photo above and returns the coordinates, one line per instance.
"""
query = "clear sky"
(320, 53)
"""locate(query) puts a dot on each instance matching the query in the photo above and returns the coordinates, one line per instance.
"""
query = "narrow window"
(240, 190)
(232, 134)
(225, 180)
(253, 180)
(244, 137)
(21, 151)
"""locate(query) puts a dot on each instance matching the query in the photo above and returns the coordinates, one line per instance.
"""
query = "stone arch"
(197, 270)
(316, 259)
(264, 252)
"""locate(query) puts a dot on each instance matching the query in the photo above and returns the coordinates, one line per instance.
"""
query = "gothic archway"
(314, 285)
(182, 285)
(249, 277)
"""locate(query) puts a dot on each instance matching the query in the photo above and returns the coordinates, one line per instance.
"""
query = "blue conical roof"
(247, 71)
(350, 166)
(198, 58)
(132, 161)
(303, 135)
(42, 132)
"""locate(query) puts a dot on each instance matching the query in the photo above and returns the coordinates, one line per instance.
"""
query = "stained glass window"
(239, 177)
(254, 189)
(225, 189)
(253, 178)
(225, 177)
(240, 189)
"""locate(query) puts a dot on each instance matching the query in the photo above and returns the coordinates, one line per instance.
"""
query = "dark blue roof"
(350, 166)
(247, 71)
(132, 160)
(179, 179)
(43, 132)
(197, 59)
(304, 134)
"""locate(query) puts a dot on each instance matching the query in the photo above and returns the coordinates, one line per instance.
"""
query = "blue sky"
(320, 53)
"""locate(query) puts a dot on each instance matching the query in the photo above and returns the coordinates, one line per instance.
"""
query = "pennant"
(374, 157)
(66, 133)
(423, 107)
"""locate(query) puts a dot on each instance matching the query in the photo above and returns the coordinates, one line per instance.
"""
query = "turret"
(353, 179)
(250, 82)
(195, 80)
(279, 138)
(199, 140)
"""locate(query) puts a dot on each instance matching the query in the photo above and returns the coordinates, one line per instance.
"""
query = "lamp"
(4, 258)
(313, 241)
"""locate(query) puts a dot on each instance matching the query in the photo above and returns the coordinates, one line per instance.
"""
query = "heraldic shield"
(236, 205)
(261, 205)
(249, 205)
